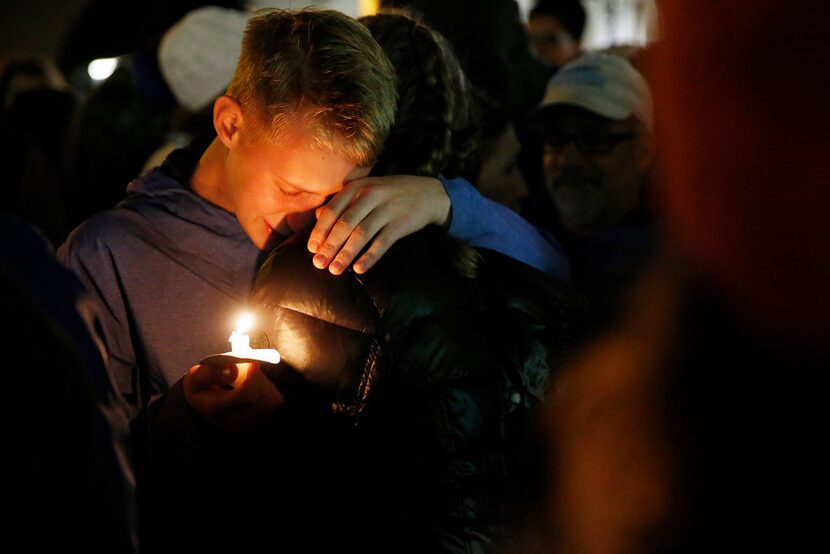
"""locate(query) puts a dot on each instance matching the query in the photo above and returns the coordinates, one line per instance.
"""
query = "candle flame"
(241, 346)
(244, 323)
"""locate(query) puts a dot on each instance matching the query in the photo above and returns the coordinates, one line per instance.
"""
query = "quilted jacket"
(433, 362)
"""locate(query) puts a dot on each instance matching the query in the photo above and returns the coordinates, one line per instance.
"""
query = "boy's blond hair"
(325, 67)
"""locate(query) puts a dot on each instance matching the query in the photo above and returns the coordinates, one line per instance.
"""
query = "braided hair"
(434, 130)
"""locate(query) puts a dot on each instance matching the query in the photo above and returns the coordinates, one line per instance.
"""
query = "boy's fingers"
(328, 214)
(207, 376)
(362, 235)
(349, 223)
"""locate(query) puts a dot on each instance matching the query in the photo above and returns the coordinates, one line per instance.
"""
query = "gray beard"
(580, 207)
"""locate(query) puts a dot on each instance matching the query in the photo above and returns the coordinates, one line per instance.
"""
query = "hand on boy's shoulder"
(374, 211)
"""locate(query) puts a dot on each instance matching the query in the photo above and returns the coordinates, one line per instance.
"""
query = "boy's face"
(275, 186)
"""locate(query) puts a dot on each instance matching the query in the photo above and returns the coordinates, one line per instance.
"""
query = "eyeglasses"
(544, 39)
(589, 145)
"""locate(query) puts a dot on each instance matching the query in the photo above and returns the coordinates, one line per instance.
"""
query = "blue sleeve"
(483, 223)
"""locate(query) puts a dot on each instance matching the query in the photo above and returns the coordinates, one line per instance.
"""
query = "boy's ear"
(227, 120)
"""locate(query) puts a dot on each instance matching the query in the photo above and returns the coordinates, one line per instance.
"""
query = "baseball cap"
(605, 84)
(198, 55)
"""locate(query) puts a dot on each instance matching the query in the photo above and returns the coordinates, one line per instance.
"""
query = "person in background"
(121, 121)
(479, 140)
(598, 162)
(496, 56)
(197, 57)
(556, 28)
(492, 45)
(36, 107)
(495, 169)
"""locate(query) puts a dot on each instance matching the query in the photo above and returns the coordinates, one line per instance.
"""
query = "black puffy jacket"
(432, 362)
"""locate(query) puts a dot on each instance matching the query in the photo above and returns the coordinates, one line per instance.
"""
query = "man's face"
(593, 166)
(551, 41)
(275, 186)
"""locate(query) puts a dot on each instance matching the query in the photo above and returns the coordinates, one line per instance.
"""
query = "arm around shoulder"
(483, 223)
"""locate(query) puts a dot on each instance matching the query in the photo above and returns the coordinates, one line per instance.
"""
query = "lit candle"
(241, 343)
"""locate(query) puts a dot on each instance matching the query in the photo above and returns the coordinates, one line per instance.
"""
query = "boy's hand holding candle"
(230, 389)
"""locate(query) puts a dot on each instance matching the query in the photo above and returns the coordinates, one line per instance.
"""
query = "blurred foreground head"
(692, 426)
(746, 147)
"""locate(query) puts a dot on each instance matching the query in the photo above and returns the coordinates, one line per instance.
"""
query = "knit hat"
(198, 55)
(605, 84)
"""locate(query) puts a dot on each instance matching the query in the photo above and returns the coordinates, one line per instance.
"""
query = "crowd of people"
(527, 297)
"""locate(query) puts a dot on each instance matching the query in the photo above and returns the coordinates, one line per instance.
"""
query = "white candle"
(241, 343)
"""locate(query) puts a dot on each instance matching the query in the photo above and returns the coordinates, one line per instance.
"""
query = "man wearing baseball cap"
(596, 117)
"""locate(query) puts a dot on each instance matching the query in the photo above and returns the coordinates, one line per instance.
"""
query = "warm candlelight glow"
(244, 323)
(241, 342)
